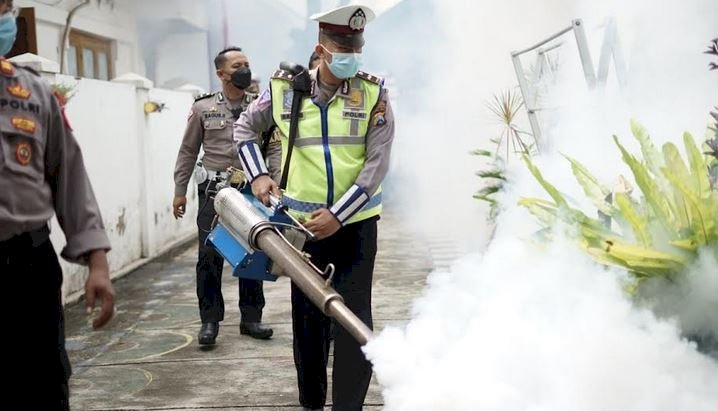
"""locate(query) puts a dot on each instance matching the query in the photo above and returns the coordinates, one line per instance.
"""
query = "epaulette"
(283, 74)
(203, 96)
(369, 77)
(27, 68)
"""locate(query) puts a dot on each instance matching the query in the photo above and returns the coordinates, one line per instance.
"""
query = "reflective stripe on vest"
(329, 151)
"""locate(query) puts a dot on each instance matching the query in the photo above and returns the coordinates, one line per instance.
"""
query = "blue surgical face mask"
(344, 65)
(8, 31)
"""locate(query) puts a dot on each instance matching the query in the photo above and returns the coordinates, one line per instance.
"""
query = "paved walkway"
(148, 357)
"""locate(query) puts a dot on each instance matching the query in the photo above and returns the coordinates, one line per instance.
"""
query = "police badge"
(358, 20)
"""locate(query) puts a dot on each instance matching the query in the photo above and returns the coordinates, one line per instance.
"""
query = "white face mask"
(344, 65)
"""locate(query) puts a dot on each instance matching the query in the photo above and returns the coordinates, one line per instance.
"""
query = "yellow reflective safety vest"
(329, 150)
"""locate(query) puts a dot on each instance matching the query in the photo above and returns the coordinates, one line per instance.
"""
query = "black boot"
(255, 330)
(208, 333)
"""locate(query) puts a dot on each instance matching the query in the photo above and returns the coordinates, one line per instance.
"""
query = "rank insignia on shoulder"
(203, 96)
(7, 68)
(283, 74)
(23, 153)
(24, 124)
(250, 97)
(19, 91)
(369, 77)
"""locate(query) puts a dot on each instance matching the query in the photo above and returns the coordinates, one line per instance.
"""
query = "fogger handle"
(275, 202)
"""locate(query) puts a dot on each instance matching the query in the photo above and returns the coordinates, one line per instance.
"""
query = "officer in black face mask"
(210, 126)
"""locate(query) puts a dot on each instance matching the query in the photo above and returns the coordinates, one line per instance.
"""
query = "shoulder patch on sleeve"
(370, 77)
(203, 96)
(283, 74)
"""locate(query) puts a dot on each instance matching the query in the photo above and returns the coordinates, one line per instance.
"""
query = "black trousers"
(352, 250)
(35, 334)
(209, 273)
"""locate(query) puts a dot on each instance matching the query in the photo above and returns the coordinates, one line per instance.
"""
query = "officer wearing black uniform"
(42, 173)
(210, 126)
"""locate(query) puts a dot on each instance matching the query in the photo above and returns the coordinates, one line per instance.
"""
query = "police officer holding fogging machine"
(210, 126)
(336, 129)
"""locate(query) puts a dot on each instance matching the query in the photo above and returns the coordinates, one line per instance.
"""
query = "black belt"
(34, 237)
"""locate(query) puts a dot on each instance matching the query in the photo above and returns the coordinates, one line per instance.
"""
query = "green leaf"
(497, 174)
(481, 152)
(489, 190)
(655, 198)
(677, 167)
(596, 192)
(550, 189)
(699, 168)
(638, 222)
(702, 219)
(545, 211)
(651, 155)
(687, 245)
(485, 198)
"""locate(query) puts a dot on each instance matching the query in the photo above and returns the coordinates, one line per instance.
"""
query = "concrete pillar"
(142, 86)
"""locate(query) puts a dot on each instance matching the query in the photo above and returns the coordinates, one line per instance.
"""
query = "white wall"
(175, 65)
(191, 12)
(264, 30)
(130, 159)
(165, 131)
(174, 41)
(116, 23)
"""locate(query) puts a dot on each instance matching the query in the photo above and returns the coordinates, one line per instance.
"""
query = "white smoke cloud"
(525, 328)
(528, 327)
(692, 300)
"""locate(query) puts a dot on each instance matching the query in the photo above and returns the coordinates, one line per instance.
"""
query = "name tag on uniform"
(212, 115)
(355, 115)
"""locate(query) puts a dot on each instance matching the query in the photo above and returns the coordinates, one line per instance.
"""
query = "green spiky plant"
(658, 235)
(505, 108)
(494, 179)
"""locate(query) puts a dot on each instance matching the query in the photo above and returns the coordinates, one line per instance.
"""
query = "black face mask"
(242, 78)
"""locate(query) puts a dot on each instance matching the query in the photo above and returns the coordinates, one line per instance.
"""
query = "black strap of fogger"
(302, 84)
